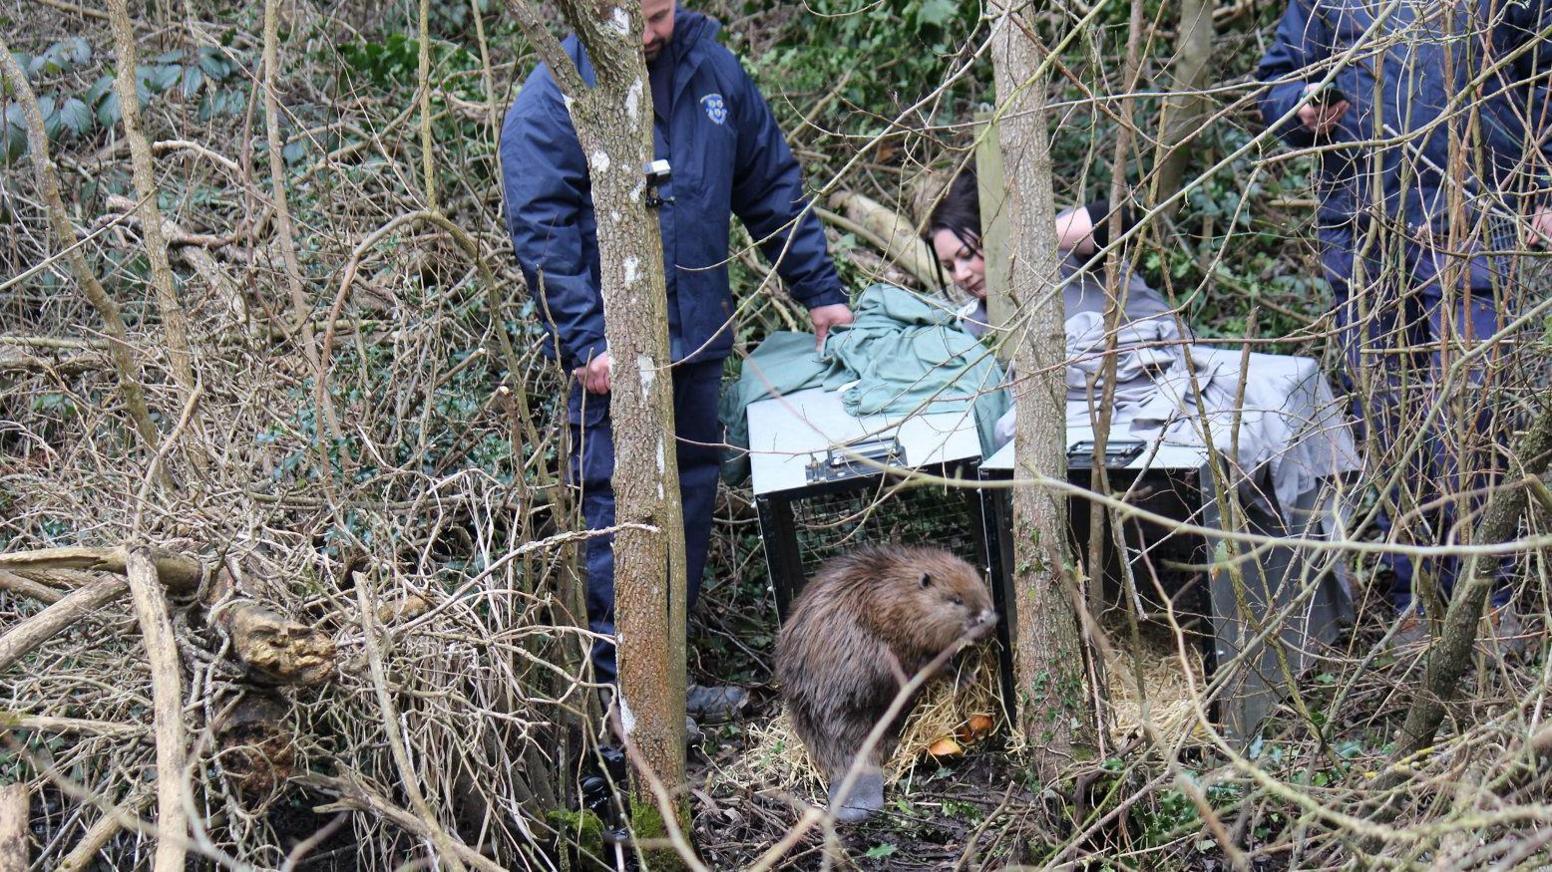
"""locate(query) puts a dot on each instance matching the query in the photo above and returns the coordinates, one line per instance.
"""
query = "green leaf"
(165, 77)
(293, 152)
(192, 79)
(76, 116)
(102, 86)
(108, 111)
(49, 109)
(935, 12)
(13, 143)
(880, 851)
(215, 65)
(78, 49)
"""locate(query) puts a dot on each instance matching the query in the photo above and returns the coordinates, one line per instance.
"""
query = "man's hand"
(1321, 119)
(825, 317)
(595, 375)
(1541, 228)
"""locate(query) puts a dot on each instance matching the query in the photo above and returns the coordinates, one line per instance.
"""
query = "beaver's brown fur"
(865, 620)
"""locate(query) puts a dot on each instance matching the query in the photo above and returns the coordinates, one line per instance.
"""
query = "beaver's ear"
(926, 579)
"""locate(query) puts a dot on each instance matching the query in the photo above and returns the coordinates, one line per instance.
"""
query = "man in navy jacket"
(1403, 218)
(728, 158)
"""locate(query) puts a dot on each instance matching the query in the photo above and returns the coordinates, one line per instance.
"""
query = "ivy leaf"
(13, 143)
(52, 124)
(76, 116)
(880, 851)
(293, 152)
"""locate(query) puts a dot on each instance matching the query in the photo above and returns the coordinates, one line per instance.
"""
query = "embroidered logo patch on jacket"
(716, 110)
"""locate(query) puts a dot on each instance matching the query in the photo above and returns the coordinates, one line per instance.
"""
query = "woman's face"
(962, 262)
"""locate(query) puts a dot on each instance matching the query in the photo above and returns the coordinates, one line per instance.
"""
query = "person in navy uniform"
(1389, 78)
(727, 158)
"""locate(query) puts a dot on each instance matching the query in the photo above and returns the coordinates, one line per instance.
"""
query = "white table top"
(1155, 455)
(788, 433)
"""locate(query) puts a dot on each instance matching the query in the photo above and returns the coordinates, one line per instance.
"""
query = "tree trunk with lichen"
(613, 120)
(1051, 704)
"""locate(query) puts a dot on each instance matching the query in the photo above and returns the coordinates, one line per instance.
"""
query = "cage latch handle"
(862, 457)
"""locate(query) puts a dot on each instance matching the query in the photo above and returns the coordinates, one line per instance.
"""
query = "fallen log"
(47, 624)
(14, 359)
(177, 573)
(891, 234)
(27, 587)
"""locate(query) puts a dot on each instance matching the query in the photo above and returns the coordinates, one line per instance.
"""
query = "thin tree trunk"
(1184, 107)
(614, 126)
(1450, 656)
(174, 323)
(107, 308)
(1052, 706)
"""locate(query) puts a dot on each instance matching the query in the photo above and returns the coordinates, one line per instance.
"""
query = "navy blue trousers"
(1390, 319)
(696, 389)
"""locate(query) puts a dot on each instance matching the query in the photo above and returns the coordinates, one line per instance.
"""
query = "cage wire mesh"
(828, 524)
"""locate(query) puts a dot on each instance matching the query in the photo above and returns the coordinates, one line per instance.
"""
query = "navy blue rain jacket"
(728, 157)
(1417, 102)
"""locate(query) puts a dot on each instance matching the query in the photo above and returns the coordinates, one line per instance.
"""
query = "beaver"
(866, 623)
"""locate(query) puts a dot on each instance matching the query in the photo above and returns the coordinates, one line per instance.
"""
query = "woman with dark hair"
(954, 232)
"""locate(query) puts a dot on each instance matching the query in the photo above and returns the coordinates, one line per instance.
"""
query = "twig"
(43, 724)
(85, 852)
(306, 846)
(83, 11)
(410, 779)
(358, 796)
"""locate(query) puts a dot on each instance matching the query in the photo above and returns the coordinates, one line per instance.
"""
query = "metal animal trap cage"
(827, 482)
(1179, 568)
